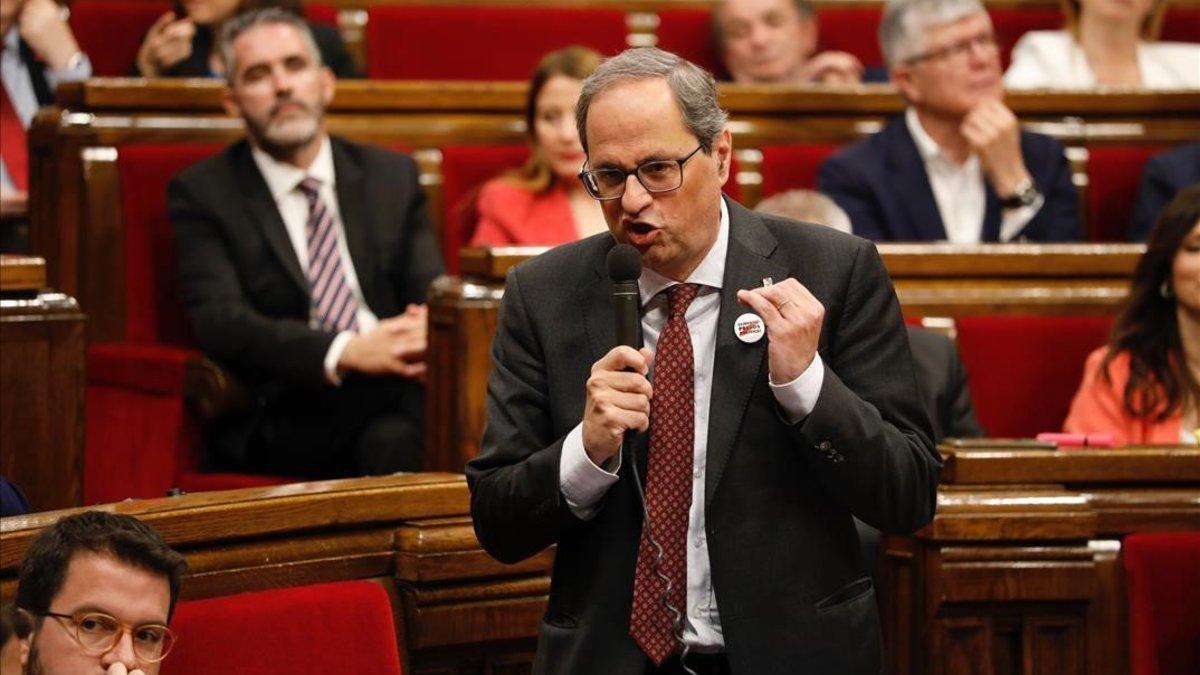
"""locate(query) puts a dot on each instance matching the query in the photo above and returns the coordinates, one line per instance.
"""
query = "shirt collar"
(929, 149)
(710, 272)
(282, 178)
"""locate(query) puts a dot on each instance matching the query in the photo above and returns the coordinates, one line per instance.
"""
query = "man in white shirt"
(303, 259)
(775, 398)
(956, 166)
(39, 52)
(775, 42)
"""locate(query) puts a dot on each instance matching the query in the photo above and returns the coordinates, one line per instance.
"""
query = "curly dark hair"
(1148, 327)
(44, 569)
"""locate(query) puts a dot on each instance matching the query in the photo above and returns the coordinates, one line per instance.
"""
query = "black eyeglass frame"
(172, 638)
(961, 47)
(593, 188)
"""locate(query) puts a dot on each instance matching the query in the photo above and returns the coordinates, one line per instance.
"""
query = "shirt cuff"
(799, 397)
(332, 374)
(1012, 221)
(582, 482)
(79, 68)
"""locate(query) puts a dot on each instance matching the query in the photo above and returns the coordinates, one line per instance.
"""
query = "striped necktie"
(333, 304)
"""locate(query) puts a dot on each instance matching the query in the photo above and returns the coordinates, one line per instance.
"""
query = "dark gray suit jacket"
(786, 569)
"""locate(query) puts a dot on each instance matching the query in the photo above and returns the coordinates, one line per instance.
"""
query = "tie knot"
(679, 298)
(311, 187)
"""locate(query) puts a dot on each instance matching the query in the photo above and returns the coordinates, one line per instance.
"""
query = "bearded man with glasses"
(775, 399)
(98, 590)
(956, 166)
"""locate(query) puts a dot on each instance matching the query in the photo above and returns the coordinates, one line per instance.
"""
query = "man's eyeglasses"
(98, 633)
(657, 175)
(958, 51)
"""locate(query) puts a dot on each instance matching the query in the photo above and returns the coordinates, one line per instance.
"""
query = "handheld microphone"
(624, 268)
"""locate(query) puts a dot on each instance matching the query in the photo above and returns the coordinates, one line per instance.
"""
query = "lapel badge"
(749, 328)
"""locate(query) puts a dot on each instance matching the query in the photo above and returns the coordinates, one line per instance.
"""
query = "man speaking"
(774, 399)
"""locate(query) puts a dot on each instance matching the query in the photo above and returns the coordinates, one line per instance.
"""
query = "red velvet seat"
(793, 166)
(465, 168)
(417, 42)
(343, 627)
(854, 30)
(1012, 22)
(688, 33)
(1114, 175)
(1025, 369)
(1162, 577)
(1181, 24)
(111, 31)
(140, 438)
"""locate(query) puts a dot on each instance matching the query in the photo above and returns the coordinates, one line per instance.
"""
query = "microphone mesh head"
(624, 263)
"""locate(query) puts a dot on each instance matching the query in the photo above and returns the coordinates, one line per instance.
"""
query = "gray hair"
(906, 23)
(694, 89)
(807, 205)
(235, 27)
(803, 7)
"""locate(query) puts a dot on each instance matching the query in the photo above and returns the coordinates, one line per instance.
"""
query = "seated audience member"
(39, 52)
(182, 43)
(1164, 176)
(1144, 386)
(301, 258)
(773, 42)
(941, 374)
(14, 627)
(1105, 43)
(97, 590)
(956, 166)
(12, 500)
(544, 203)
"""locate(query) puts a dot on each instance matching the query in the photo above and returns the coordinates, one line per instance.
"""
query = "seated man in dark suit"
(302, 257)
(1164, 176)
(956, 166)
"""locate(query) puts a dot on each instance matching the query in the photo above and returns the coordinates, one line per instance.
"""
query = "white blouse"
(1052, 59)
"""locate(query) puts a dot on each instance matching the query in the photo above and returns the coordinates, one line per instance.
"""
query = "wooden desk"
(457, 610)
(1020, 571)
(41, 386)
(940, 280)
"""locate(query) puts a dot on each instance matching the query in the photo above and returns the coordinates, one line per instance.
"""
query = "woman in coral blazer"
(1144, 387)
(543, 203)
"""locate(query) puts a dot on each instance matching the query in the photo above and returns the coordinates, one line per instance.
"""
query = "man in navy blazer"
(1165, 175)
(956, 166)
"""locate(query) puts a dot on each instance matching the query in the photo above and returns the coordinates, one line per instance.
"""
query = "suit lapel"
(907, 171)
(737, 367)
(256, 197)
(991, 214)
(352, 206)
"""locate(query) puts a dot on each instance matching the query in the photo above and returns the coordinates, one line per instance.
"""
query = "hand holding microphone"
(618, 393)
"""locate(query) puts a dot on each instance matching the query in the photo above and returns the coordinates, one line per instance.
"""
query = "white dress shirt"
(959, 192)
(584, 484)
(283, 181)
(1052, 59)
(14, 75)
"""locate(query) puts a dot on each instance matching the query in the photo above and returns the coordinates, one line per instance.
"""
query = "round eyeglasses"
(657, 176)
(98, 633)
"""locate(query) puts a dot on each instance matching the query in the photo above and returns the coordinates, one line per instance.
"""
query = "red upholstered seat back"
(794, 166)
(343, 627)
(854, 30)
(1013, 22)
(153, 310)
(1024, 370)
(111, 31)
(1114, 174)
(1162, 575)
(323, 14)
(464, 169)
(688, 33)
(420, 42)
(1181, 24)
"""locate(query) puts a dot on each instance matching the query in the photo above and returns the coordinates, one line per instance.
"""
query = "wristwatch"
(1025, 194)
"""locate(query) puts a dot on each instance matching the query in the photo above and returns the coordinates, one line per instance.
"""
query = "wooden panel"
(1084, 465)
(41, 404)
(21, 273)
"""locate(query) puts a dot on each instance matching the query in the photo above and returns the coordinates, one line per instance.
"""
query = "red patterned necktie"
(668, 485)
(13, 148)
(333, 304)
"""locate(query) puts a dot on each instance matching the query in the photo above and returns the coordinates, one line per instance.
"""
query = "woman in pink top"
(543, 203)
(1144, 387)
